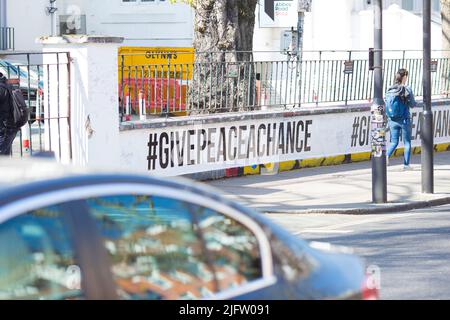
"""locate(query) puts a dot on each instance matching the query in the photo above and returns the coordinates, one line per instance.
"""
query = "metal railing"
(37, 74)
(270, 80)
(7, 41)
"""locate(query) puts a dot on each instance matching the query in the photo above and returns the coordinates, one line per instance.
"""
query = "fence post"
(92, 85)
(318, 81)
(122, 88)
(348, 79)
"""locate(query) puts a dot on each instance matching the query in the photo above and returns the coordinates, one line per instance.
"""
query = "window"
(72, 24)
(155, 249)
(436, 6)
(234, 249)
(37, 258)
(163, 248)
(408, 5)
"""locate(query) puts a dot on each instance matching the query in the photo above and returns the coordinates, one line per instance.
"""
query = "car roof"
(18, 173)
(20, 176)
(15, 172)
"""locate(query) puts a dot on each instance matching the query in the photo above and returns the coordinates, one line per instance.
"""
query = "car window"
(234, 249)
(37, 258)
(161, 251)
(154, 246)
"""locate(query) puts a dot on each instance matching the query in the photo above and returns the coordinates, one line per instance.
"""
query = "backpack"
(19, 108)
(396, 104)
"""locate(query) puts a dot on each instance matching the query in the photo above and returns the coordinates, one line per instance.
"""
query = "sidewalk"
(344, 189)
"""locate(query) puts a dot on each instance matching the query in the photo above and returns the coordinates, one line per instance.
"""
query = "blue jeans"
(402, 127)
(7, 137)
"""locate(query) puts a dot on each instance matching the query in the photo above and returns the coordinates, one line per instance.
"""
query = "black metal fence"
(7, 41)
(49, 111)
(270, 80)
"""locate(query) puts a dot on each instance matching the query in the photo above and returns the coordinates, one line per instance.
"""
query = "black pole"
(427, 117)
(379, 176)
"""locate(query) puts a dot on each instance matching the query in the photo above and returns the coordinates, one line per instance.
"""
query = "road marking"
(336, 227)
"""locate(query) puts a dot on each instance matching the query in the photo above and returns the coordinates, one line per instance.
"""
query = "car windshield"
(19, 70)
(35, 71)
(10, 70)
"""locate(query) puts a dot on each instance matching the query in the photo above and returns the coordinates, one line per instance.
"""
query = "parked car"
(31, 85)
(71, 233)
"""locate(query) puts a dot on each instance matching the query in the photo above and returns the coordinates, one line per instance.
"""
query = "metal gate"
(44, 79)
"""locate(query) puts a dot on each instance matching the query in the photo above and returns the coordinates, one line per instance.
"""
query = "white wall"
(402, 30)
(176, 146)
(94, 107)
(344, 25)
(178, 149)
(141, 24)
(337, 24)
(29, 19)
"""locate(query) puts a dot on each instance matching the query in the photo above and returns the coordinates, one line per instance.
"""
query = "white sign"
(188, 149)
(278, 14)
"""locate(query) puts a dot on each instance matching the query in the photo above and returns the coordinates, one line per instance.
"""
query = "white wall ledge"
(78, 39)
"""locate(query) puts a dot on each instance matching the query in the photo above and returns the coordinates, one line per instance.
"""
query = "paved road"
(336, 188)
(412, 249)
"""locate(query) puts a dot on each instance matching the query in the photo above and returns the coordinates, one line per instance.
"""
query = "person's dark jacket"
(6, 117)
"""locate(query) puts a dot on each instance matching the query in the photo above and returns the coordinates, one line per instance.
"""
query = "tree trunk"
(224, 73)
(445, 13)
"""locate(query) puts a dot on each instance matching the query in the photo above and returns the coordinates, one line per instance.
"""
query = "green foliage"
(189, 2)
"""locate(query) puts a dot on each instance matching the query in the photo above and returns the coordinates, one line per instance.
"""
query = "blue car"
(71, 233)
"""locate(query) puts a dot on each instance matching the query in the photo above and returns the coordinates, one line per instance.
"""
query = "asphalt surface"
(339, 189)
(411, 249)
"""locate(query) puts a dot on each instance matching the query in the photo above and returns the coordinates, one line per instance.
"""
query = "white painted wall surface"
(141, 24)
(96, 139)
(337, 24)
(29, 19)
(344, 25)
(56, 104)
(157, 23)
(317, 136)
(94, 100)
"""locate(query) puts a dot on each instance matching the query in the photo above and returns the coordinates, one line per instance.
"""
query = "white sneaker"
(407, 168)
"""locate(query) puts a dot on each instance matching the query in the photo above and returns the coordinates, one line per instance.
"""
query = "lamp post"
(302, 7)
(51, 11)
(427, 116)
(378, 116)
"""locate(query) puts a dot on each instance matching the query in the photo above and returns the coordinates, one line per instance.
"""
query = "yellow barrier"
(273, 168)
(156, 75)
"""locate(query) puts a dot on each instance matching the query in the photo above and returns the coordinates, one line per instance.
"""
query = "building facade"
(331, 25)
(348, 25)
(140, 22)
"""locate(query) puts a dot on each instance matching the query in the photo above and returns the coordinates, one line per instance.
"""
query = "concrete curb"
(376, 209)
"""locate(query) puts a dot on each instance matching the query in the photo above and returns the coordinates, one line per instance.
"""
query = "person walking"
(399, 100)
(8, 129)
